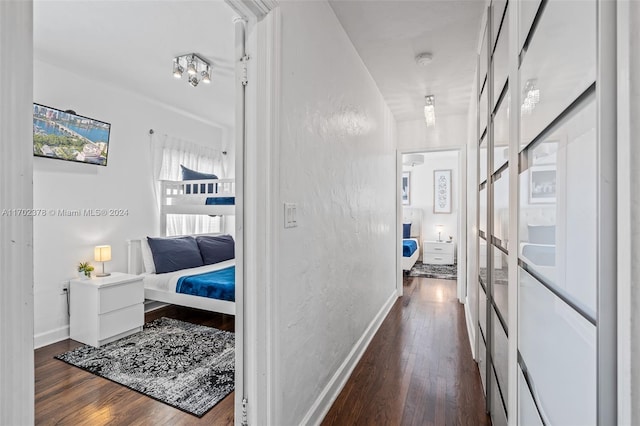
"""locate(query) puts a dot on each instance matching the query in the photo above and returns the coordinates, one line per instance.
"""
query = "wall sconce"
(429, 110)
(102, 254)
(197, 69)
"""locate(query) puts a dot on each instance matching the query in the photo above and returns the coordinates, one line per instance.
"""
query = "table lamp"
(439, 229)
(102, 254)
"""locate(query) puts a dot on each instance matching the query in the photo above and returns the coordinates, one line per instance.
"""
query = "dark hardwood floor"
(418, 369)
(67, 395)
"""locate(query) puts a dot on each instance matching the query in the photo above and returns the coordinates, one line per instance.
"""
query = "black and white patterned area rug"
(445, 272)
(188, 366)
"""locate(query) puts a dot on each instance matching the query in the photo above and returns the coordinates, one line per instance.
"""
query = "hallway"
(418, 369)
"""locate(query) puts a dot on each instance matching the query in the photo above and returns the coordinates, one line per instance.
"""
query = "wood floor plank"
(67, 395)
(418, 369)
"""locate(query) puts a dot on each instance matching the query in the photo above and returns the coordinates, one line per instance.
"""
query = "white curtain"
(168, 153)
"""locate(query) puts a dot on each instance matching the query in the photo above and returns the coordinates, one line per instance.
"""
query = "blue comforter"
(409, 247)
(220, 284)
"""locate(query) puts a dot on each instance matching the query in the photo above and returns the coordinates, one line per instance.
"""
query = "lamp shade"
(439, 228)
(102, 253)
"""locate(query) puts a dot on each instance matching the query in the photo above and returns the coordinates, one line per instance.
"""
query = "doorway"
(432, 213)
(17, 399)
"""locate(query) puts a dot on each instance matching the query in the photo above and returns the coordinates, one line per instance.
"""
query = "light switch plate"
(290, 215)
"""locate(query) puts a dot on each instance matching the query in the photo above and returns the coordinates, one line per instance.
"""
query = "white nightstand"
(106, 309)
(438, 252)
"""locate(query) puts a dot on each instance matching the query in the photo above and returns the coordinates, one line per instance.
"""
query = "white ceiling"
(389, 34)
(131, 44)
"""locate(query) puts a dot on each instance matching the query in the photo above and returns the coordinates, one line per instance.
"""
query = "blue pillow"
(214, 249)
(406, 230)
(173, 254)
(188, 174)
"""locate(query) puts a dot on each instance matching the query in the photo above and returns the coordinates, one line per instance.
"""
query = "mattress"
(409, 246)
(168, 282)
(220, 201)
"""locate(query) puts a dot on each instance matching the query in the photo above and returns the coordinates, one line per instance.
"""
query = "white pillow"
(147, 257)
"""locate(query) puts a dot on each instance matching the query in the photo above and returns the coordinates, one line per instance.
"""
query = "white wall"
(422, 194)
(337, 268)
(125, 183)
(449, 132)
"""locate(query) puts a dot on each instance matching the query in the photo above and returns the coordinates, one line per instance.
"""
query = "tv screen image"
(67, 136)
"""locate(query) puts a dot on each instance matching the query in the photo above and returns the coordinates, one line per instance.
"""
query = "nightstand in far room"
(104, 309)
(438, 252)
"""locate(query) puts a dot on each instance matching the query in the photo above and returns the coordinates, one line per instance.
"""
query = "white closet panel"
(501, 134)
(500, 354)
(559, 348)
(559, 64)
(527, 12)
(558, 223)
(527, 411)
(500, 277)
(500, 63)
(482, 168)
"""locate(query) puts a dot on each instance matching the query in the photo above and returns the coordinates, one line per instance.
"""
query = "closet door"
(493, 217)
(546, 212)
(558, 221)
(498, 165)
(483, 201)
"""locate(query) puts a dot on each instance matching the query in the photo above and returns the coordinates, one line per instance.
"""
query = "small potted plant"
(85, 269)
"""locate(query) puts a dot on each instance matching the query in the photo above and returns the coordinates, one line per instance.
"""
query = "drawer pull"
(437, 258)
(438, 248)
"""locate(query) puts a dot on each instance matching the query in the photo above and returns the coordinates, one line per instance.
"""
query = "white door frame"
(462, 216)
(16, 263)
(16, 233)
(257, 219)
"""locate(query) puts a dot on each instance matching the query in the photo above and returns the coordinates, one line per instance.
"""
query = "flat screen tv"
(67, 136)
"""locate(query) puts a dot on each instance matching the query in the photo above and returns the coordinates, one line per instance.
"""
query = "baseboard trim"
(50, 337)
(471, 330)
(327, 397)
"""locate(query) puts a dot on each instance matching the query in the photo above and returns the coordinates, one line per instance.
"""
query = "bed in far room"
(411, 225)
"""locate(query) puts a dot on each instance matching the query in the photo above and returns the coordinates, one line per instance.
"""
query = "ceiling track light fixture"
(198, 69)
(429, 110)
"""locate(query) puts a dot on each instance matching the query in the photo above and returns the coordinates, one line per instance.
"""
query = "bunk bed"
(213, 197)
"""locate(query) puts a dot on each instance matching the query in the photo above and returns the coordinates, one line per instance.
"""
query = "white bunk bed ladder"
(189, 197)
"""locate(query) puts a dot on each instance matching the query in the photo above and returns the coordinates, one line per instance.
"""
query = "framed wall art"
(406, 188)
(542, 184)
(442, 191)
